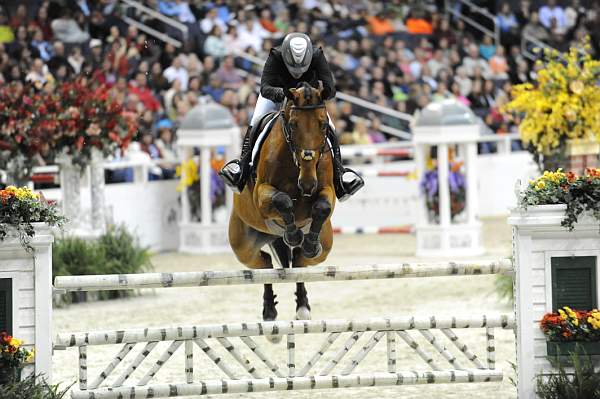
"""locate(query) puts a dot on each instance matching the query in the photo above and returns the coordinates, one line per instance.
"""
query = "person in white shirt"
(210, 20)
(177, 71)
(252, 34)
(473, 60)
(550, 11)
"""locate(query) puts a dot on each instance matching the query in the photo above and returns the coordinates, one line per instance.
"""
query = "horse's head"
(307, 122)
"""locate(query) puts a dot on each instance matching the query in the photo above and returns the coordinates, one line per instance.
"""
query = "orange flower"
(571, 177)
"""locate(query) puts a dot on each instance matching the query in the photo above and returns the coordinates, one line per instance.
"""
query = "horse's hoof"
(294, 239)
(311, 250)
(303, 313)
(274, 339)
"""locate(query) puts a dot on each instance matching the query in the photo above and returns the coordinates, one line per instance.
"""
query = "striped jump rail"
(246, 367)
(274, 276)
(383, 173)
(373, 230)
(376, 152)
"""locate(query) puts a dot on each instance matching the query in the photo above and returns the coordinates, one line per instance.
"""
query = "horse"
(289, 202)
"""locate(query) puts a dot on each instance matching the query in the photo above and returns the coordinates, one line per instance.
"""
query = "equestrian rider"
(295, 61)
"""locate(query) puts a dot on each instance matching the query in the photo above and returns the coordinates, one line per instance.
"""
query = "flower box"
(565, 348)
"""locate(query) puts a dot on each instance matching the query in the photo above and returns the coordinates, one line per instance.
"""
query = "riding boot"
(235, 172)
(344, 189)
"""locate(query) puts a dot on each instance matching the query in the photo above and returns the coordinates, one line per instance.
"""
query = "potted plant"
(21, 211)
(13, 358)
(571, 330)
(560, 109)
(567, 192)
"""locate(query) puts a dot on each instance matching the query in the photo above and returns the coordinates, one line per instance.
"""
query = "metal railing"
(529, 44)
(474, 8)
(356, 101)
(142, 9)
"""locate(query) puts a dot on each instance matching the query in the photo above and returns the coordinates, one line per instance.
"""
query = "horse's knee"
(282, 202)
(321, 209)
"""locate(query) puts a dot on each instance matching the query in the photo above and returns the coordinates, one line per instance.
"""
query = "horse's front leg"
(321, 210)
(274, 203)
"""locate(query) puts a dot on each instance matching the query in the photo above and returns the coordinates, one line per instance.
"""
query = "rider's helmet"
(297, 53)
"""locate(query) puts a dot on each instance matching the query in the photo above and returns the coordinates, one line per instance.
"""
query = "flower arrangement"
(568, 325)
(73, 117)
(189, 175)
(430, 187)
(13, 354)
(563, 103)
(579, 193)
(19, 208)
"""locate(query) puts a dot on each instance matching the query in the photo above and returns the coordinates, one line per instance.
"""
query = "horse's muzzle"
(307, 189)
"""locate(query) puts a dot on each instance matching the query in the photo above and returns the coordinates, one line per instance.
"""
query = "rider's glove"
(278, 95)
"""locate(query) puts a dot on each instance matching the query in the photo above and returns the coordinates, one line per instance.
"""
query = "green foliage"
(19, 208)
(580, 194)
(116, 252)
(29, 388)
(504, 287)
(582, 383)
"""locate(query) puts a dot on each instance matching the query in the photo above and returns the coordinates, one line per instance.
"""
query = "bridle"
(307, 154)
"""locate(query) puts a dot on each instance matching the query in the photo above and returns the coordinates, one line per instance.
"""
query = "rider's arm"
(324, 74)
(270, 83)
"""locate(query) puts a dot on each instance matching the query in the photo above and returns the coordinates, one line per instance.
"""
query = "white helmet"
(297, 52)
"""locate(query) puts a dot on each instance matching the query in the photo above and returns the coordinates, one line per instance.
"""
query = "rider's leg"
(235, 172)
(343, 189)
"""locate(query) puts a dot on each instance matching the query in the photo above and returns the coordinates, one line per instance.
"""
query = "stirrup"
(352, 186)
(231, 173)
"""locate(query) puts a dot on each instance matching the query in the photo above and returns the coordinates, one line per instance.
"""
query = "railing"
(359, 102)
(493, 33)
(529, 44)
(128, 4)
(246, 365)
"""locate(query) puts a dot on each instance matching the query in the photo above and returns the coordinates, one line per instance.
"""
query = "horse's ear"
(293, 94)
(320, 88)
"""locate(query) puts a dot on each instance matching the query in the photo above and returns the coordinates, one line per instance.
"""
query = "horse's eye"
(324, 126)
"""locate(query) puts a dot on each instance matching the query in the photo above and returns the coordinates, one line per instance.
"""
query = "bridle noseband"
(307, 154)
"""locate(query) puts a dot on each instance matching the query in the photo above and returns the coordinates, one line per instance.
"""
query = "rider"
(295, 61)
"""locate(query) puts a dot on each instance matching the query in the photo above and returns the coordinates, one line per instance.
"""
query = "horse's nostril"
(307, 189)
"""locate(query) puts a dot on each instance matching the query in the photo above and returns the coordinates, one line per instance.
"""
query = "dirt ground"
(356, 299)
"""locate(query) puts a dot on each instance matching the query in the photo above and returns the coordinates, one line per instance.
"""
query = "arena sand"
(186, 306)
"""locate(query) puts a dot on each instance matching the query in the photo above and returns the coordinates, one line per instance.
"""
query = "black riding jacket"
(276, 76)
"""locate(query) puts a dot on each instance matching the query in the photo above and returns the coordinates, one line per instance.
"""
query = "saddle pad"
(261, 139)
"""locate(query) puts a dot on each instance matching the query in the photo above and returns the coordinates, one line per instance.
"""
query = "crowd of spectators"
(400, 54)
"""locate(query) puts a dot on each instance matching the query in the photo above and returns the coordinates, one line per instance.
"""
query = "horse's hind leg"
(246, 244)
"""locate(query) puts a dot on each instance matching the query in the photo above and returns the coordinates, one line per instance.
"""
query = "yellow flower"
(577, 87)
(30, 356)
(15, 342)
(562, 314)
(540, 185)
(188, 173)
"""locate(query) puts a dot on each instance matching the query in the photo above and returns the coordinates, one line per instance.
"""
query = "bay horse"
(289, 203)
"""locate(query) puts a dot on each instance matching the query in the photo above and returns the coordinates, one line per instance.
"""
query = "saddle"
(258, 135)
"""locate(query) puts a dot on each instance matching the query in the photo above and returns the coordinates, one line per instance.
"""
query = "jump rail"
(269, 276)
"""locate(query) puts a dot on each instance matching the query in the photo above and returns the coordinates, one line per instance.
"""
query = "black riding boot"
(235, 172)
(343, 189)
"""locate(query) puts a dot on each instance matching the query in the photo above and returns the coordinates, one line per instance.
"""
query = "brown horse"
(289, 203)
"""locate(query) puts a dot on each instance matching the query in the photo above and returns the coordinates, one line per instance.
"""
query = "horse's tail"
(282, 252)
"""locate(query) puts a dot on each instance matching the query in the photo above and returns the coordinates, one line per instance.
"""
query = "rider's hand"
(278, 95)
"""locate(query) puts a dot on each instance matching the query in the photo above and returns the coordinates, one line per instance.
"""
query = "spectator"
(67, 30)
(487, 48)
(59, 60)
(251, 34)
(41, 45)
(20, 18)
(266, 21)
(535, 29)
(179, 9)
(214, 45)
(214, 88)
(374, 130)
(39, 75)
(210, 20)
(167, 149)
(139, 87)
(472, 60)
(550, 12)
(499, 65)
(228, 75)
(380, 25)
(76, 60)
(508, 24)
(156, 80)
(177, 71)
(417, 24)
